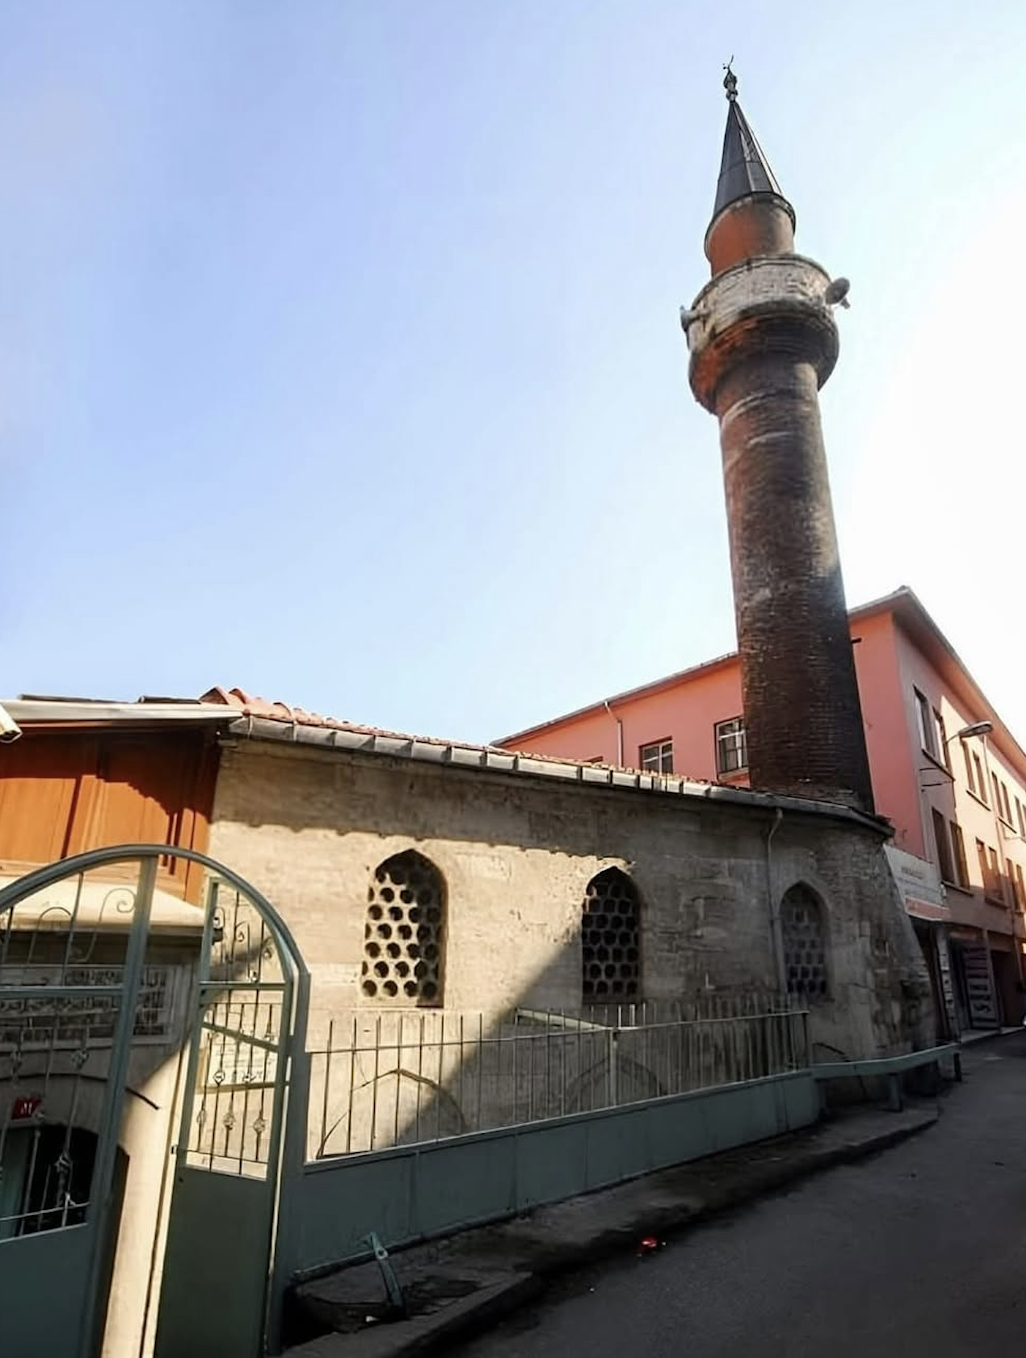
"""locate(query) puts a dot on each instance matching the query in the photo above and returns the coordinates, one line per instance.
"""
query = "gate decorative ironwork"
(82, 1002)
(250, 1018)
(72, 954)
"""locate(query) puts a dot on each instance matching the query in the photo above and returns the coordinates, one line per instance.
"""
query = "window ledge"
(937, 763)
(733, 775)
(977, 798)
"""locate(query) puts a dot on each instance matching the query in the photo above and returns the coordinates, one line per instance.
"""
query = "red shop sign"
(25, 1106)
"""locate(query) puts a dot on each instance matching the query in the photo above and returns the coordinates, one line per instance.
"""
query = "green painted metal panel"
(333, 1212)
(549, 1158)
(465, 1183)
(215, 1267)
(677, 1133)
(44, 1291)
(616, 1148)
(738, 1115)
(801, 1099)
(409, 1193)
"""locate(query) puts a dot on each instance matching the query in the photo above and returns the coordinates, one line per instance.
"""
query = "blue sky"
(339, 355)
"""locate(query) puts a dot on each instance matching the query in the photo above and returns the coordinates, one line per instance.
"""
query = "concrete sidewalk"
(458, 1286)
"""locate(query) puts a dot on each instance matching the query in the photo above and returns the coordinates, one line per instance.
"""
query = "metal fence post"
(612, 1042)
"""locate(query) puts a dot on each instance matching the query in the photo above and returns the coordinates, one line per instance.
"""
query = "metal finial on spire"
(743, 167)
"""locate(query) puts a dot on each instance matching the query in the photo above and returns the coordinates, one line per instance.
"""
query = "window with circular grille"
(804, 939)
(404, 935)
(610, 951)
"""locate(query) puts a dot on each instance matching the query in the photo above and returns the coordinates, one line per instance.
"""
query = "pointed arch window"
(404, 932)
(610, 937)
(803, 929)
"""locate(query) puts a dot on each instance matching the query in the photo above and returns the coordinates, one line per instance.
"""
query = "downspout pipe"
(619, 733)
(774, 906)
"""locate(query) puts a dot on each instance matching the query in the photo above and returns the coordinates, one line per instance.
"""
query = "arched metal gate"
(101, 991)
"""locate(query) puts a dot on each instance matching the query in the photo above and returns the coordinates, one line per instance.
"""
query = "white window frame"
(736, 740)
(656, 756)
(927, 725)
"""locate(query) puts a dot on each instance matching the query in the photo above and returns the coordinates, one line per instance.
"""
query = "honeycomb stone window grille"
(804, 940)
(610, 944)
(404, 933)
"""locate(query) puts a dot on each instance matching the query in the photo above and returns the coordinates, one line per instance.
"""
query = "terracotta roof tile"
(250, 705)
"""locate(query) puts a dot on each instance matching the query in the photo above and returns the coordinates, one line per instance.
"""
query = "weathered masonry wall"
(308, 827)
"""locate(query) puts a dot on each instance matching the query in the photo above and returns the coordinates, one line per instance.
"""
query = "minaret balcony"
(770, 305)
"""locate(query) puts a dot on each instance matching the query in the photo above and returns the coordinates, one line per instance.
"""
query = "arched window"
(610, 951)
(404, 936)
(804, 937)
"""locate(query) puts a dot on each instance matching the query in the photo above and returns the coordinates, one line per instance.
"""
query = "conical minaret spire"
(751, 216)
(744, 168)
(763, 341)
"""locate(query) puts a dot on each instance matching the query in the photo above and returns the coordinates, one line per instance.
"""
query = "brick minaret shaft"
(763, 341)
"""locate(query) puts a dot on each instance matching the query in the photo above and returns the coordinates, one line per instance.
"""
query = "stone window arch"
(610, 937)
(803, 930)
(404, 932)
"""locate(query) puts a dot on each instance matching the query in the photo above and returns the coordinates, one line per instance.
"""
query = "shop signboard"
(979, 992)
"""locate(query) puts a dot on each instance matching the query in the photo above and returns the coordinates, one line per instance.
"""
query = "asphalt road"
(918, 1251)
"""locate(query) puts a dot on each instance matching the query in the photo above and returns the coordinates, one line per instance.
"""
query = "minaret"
(762, 340)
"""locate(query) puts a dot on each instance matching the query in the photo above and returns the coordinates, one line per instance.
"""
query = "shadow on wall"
(302, 789)
(401, 1080)
(518, 849)
(385, 1076)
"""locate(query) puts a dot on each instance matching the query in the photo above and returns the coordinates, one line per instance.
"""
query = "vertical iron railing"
(391, 1079)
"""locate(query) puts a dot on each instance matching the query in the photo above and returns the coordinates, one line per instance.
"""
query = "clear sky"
(339, 352)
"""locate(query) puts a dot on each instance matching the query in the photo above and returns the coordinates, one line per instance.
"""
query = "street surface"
(918, 1251)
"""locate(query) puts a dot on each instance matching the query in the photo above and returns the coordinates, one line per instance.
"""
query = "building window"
(981, 782)
(657, 757)
(940, 835)
(404, 934)
(968, 767)
(996, 884)
(991, 877)
(610, 946)
(1006, 804)
(731, 746)
(1022, 817)
(804, 939)
(961, 865)
(942, 738)
(997, 793)
(1021, 885)
(927, 729)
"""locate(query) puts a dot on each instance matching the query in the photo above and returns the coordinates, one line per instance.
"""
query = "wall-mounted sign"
(88, 1020)
(24, 1106)
(926, 909)
(919, 883)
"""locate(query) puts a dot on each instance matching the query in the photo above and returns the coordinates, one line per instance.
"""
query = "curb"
(764, 1181)
(478, 1312)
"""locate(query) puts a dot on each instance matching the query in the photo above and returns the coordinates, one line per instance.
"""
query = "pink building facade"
(945, 769)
